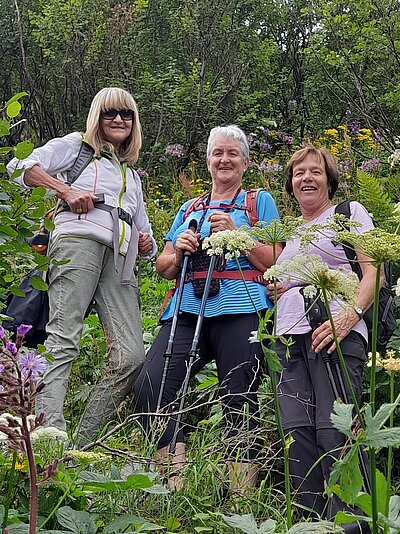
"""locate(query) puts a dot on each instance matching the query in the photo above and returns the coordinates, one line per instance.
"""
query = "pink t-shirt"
(291, 310)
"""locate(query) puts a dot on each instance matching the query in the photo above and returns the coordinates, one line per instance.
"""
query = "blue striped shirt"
(233, 296)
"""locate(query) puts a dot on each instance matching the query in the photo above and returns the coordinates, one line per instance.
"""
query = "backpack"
(386, 312)
(33, 308)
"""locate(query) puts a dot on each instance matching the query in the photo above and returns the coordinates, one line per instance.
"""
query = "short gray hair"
(228, 131)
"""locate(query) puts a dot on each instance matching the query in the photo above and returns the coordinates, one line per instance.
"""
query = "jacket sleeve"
(140, 217)
(55, 157)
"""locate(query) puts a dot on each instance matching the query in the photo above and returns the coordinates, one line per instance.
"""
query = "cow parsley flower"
(229, 242)
(310, 270)
(377, 244)
(49, 432)
(32, 364)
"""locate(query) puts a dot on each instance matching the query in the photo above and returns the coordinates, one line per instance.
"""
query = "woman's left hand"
(322, 337)
(221, 221)
(145, 243)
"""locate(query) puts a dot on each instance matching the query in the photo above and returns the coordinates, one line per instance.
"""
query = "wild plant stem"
(374, 496)
(60, 501)
(342, 360)
(390, 453)
(10, 485)
(33, 498)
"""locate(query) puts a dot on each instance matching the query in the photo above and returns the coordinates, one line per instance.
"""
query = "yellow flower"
(331, 131)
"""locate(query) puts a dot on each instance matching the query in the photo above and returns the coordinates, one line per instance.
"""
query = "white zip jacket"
(120, 185)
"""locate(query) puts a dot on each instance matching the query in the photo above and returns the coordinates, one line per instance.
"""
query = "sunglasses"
(125, 114)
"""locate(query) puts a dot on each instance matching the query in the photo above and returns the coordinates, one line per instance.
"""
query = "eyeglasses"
(125, 114)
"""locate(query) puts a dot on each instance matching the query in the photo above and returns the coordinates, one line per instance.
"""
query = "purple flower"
(11, 347)
(142, 173)
(355, 128)
(370, 165)
(176, 151)
(23, 329)
(265, 146)
(33, 364)
(1, 368)
(2, 332)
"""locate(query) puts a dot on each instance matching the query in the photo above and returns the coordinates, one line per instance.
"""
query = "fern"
(375, 199)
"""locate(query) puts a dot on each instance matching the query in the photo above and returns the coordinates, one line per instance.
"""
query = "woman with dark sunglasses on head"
(99, 233)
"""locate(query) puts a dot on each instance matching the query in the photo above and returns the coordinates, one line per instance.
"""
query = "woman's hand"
(78, 201)
(322, 337)
(145, 244)
(188, 241)
(271, 290)
(221, 221)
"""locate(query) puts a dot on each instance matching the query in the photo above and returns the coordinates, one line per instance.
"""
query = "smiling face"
(226, 163)
(310, 184)
(115, 131)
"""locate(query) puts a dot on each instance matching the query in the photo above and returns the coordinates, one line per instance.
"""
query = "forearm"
(37, 177)
(168, 265)
(262, 257)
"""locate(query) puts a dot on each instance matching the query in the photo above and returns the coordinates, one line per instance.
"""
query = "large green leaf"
(16, 97)
(121, 523)
(342, 417)
(97, 482)
(13, 109)
(389, 437)
(23, 149)
(78, 522)
(321, 527)
(375, 422)
(347, 472)
(247, 524)
(38, 283)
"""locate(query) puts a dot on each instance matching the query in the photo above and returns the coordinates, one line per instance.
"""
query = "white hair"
(228, 131)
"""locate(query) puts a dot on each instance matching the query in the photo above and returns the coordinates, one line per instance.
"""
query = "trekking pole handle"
(193, 227)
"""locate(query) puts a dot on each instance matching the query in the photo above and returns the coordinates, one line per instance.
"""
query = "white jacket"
(120, 185)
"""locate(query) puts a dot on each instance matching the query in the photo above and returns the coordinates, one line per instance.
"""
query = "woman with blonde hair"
(101, 229)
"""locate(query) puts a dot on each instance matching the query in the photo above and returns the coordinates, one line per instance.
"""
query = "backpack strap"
(194, 204)
(251, 204)
(83, 159)
(344, 209)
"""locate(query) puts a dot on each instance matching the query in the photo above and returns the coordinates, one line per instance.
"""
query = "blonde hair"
(113, 98)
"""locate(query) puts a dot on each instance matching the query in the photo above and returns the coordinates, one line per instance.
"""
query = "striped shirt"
(233, 296)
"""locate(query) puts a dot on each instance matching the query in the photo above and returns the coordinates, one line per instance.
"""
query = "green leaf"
(48, 224)
(389, 437)
(97, 483)
(394, 509)
(76, 521)
(342, 417)
(374, 423)
(5, 150)
(272, 359)
(344, 517)
(38, 283)
(4, 128)
(347, 472)
(246, 523)
(364, 501)
(8, 231)
(320, 527)
(16, 97)
(13, 109)
(172, 524)
(23, 149)
(121, 523)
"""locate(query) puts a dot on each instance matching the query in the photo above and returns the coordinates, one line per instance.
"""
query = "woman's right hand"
(78, 201)
(188, 241)
(271, 290)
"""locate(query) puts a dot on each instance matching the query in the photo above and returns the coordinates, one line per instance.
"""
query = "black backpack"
(386, 313)
(33, 308)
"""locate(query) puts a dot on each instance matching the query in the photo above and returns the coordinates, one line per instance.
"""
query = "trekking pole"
(170, 344)
(193, 354)
(316, 318)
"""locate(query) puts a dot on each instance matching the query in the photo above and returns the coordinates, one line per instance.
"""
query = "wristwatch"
(359, 312)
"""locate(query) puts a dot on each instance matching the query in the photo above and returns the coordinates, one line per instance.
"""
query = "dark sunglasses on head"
(125, 114)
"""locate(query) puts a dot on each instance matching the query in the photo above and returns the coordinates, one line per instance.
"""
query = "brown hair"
(322, 154)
